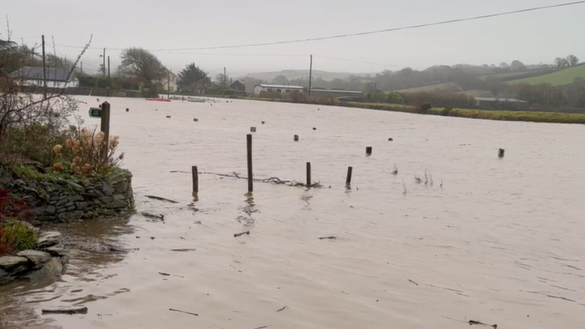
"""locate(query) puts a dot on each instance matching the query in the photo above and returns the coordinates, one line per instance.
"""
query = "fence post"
(195, 175)
(308, 174)
(368, 150)
(348, 178)
(250, 172)
(105, 127)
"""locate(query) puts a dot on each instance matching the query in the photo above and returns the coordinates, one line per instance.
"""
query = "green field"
(446, 85)
(559, 78)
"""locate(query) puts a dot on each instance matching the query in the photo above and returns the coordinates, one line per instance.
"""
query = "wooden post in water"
(296, 138)
(105, 127)
(195, 175)
(501, 153)
(368, 150)
(250, 172)
(253, 129)
(308, 174)
(348, 178)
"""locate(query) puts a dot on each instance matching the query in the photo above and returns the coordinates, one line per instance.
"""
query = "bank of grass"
(550, 117)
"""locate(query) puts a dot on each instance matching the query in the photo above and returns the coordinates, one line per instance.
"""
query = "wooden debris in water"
(281, 309)
(240, 234)
(501, 153)
(327, 238)
(66, 310)
(161, 199)
(409, 280)
(472, 322)
(184, 312)
(184, 249)
(395, 171)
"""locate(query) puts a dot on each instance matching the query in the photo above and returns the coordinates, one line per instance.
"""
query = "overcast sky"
(532, 37)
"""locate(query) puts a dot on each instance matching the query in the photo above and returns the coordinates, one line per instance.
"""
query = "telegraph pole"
(104, 62)
(224, 82)
(44, 69)
(168, 84)
(81, 67)
(310, 74)
(109, 79)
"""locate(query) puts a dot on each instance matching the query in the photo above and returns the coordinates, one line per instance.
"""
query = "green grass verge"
(550, 117)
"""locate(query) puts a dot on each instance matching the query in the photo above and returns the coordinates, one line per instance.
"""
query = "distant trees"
(560, 63)
(572, 60)
(222, 80)
(517, 65)
(395, 98)
(141, 63)
(189, 76)
(280, 80)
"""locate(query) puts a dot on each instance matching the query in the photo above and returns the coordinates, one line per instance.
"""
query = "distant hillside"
(558, 78)
(302, 74)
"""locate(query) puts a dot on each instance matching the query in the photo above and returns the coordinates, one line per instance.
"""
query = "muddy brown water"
(499, 241)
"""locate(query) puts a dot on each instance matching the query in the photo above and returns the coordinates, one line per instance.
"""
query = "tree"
(280, 80)
(190, 75)
(517, 65)
(395, 98)
(572, 60)
(560, 63)
(141, 63)
(222, 80)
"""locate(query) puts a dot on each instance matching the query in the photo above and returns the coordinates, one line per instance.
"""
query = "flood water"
(499, 241)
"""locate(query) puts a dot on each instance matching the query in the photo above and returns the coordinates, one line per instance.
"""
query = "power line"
(394, 29)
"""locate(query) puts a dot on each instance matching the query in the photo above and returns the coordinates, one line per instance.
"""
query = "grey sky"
(530, 37)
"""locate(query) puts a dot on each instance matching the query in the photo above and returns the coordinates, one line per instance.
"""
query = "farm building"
(492, 103)
(56, 78)
(281, 89)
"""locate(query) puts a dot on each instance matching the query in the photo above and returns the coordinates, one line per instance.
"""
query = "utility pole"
(81, 67)
(168, 84)
(109, 79)
(224, 82)
(104, 62)
(310, 74)
(44, 70)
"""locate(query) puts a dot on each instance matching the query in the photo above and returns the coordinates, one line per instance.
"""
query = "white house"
(56, 78)
(276, 89)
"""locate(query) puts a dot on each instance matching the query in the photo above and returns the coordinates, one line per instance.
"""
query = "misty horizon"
(534, 38)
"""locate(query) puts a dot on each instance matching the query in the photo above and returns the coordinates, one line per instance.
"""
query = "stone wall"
(66, 200)
(46, 260)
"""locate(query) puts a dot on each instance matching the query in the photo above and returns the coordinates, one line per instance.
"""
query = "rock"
(56, 251)
(106, 199)
(7, 262)
(116, 204)
(51, 268)
(43, 211)
(107, 189)
(3, 275)
(49, 239)
(70, 216)
(119, 177)
(61, 202)
(76, 187)
(35, 256)
(121, 187)
(90, 195)
(81, 205)
(119, 197)
(75, 198)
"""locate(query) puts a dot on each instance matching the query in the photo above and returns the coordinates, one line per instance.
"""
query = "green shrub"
(20, 233)
(395, 98)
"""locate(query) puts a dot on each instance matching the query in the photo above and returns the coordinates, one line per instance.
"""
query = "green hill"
(303, 74)
(558, 78)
